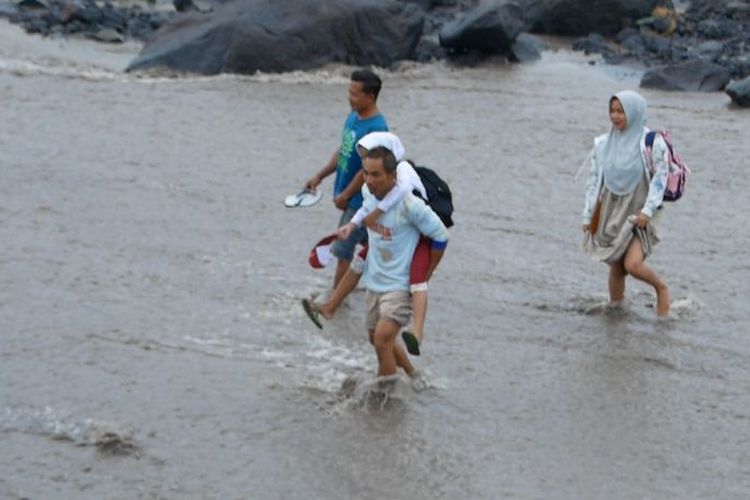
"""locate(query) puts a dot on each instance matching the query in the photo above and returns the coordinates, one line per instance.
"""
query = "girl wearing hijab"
(407, 181)
(623, 198)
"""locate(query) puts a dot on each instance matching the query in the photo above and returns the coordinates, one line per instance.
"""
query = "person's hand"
(383, 231)
(642, 220)
(312, 184)
(371, 219)
(586, 228)
(341, 202)
(345, 231)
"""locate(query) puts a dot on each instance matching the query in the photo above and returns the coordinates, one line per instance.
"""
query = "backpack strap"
(650, 137)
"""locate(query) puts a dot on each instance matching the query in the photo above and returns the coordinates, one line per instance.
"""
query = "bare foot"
(325, 310)
(419, 335)
(662, 301)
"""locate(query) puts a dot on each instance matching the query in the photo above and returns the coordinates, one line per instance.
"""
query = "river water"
(152, 341)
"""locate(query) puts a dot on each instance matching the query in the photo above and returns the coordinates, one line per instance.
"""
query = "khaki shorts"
(395, 306)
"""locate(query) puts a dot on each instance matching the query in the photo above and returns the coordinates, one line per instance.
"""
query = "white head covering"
(385, 139)
(620, 154)
(406, 176)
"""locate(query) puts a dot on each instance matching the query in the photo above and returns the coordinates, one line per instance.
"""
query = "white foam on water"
(324, 364)
(106, 436)
(19, 67)
(43, 421)
(22, 54)
(685, 308)
(366, 391)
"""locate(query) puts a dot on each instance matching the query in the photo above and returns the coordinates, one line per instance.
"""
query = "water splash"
(108, 437)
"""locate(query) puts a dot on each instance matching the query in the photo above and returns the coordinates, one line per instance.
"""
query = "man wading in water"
(364, 118)
(389, 259)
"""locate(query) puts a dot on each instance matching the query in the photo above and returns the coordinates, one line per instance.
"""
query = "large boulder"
(581, 17)
(491, 27)
(246, 36)
(423, 4)
(698, 75)
(739, 91)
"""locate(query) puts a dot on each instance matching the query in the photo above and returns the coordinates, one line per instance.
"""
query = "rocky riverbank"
(698, 48)
(702, 48)
(107, 21)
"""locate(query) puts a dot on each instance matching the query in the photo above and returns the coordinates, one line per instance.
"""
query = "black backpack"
(438, 194)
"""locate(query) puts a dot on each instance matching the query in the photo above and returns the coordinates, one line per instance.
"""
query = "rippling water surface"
(153, 345)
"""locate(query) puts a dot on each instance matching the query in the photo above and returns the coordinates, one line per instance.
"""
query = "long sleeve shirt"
(388, 261)
(657, 179)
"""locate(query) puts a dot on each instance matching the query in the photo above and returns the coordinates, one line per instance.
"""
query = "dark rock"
(423, 4)
(74, 27)
(627, 33)
(719, 29)
(90, 14)
(592, 44)
(108, 35)
(691, 76)
(606, 17)
(710, 50)
(112, 18)
(203, 6)
(739, 10)
(36, 25)
(246, 36)
(614, 58)
(86, 16)
(490, 28)
(183, 5)
(739, 91)
(68, 11)
(740, 66)
(33, 4)
(193, 5)
(635, 45)
(527, 47)
(429, 50)
(656, 44)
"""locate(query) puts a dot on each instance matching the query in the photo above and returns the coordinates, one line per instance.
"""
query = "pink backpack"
(678, 169)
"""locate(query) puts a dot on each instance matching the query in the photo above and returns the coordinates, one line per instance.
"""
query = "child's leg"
(635, 265)
(345, 286)
(420, 264)
(419, 306)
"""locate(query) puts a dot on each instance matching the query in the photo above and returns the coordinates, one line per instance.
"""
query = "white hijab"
(385, 139)
(406, 176)
(620, 154)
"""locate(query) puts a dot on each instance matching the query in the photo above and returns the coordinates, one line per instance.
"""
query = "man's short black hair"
(370, 81)
(389, 160)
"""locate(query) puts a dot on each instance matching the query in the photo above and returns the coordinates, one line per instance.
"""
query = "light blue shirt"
(389, 261)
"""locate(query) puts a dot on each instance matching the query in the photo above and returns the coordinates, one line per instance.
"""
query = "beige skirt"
(617, 225)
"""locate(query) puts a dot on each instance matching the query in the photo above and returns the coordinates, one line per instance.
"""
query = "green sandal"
(411, 342)
(312, 312)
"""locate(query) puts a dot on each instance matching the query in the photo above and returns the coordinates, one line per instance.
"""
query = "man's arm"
(353, 188)
(327, 170)
(427, 222)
